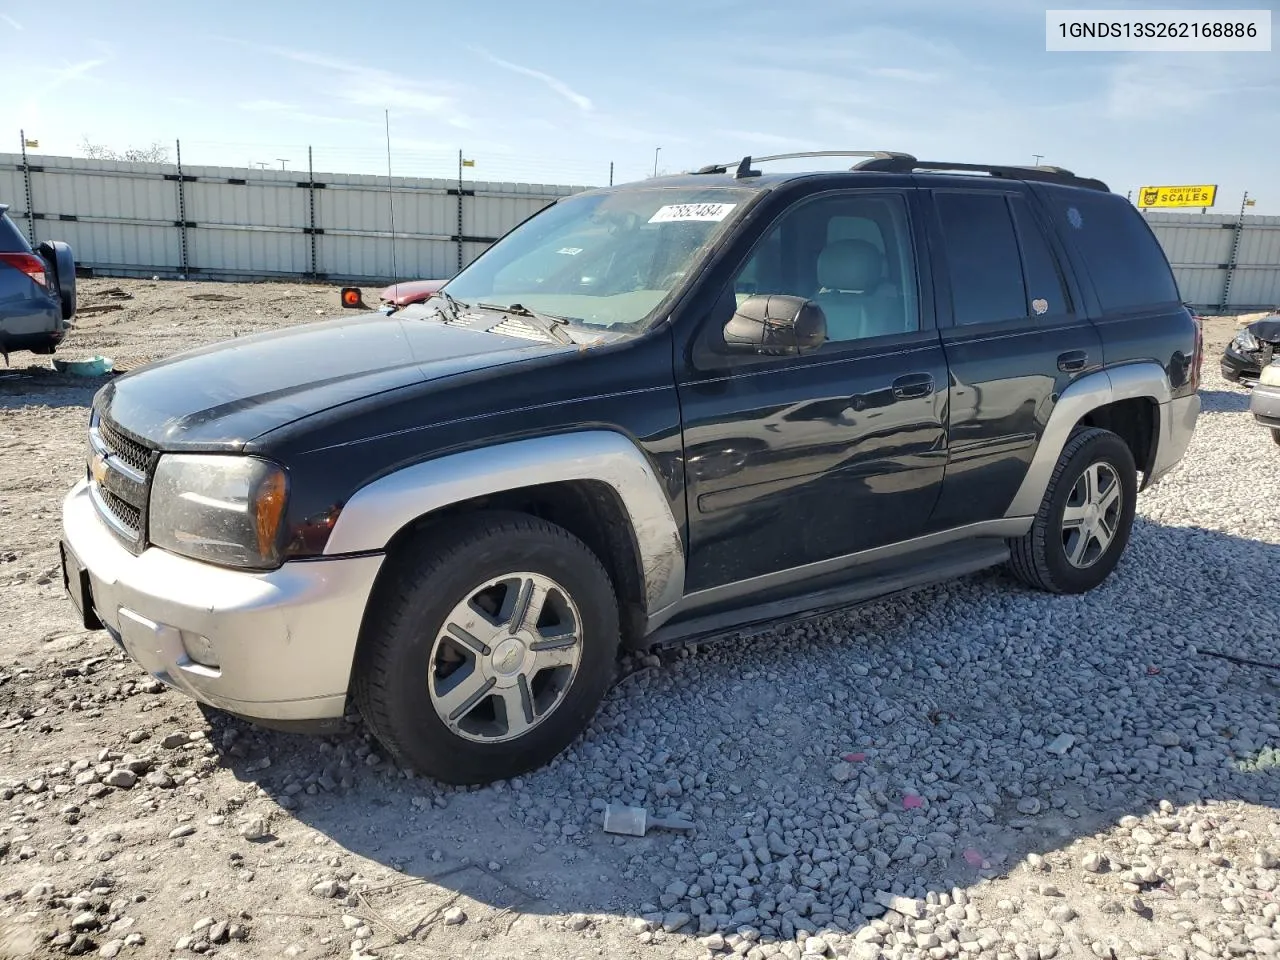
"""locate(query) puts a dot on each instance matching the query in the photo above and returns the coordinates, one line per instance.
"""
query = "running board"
(945, 563)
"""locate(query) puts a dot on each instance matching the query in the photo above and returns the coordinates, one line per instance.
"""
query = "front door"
(796, 459)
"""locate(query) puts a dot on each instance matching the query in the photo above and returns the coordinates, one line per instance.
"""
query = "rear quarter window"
(11, 238)
(1124, 260)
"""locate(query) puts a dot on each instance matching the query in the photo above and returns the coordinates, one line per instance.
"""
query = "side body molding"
(374, 514)
(1124, 382)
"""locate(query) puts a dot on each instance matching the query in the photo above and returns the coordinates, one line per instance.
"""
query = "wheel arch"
(1128, 400)
(596, 484)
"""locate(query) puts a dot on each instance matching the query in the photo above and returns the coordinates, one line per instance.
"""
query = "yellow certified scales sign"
(1199, 195)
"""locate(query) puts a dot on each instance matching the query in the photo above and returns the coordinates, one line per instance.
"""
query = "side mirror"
(776, 325)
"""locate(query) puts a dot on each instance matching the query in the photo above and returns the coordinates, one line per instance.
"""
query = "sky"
(556, 91)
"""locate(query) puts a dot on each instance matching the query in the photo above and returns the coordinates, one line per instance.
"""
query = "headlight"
(224, 509)
(1245, 342)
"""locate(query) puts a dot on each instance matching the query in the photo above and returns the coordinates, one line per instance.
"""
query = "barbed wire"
(442, 163)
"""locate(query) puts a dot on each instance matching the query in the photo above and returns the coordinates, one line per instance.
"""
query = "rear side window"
(1122, 256)
(11, 238)
(982, 257)
(1044, 283)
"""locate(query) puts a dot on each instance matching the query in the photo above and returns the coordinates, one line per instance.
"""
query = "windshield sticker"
(683, 212)
(570, 251)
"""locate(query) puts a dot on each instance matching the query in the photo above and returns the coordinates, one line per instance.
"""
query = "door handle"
(1072, 360)
(912, 385)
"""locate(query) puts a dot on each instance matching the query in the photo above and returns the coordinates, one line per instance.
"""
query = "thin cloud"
(266, 106)
(10, 21)
(364, 86)
(289, 111)
(765, 139)
(73, 72)
(904, 73)
(559, 86)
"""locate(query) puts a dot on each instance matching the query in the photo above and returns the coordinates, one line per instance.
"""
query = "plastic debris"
(635, 821)
(1061, 744)
(94, 367)
(912, 801)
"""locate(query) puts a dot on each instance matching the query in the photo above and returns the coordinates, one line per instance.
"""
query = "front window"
(606, 259)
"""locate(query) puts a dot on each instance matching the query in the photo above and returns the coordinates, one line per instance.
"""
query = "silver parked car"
(1265, 402)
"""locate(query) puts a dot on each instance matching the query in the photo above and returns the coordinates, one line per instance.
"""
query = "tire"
(422, 688)
(1042, 558)
(1275, 434)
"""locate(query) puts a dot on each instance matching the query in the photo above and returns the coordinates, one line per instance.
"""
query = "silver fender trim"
(1094, 390)
(377, 511)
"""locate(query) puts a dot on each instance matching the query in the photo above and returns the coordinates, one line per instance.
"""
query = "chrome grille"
(126, 513)
(131, 452)
(120, 480)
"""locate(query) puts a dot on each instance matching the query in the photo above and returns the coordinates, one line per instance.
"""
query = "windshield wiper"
(456, 306)
(553, 325)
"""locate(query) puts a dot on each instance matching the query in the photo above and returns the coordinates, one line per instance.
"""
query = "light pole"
(656, 151)
(283, 162)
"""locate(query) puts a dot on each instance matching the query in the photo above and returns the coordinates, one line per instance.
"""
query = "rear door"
(1014, 335)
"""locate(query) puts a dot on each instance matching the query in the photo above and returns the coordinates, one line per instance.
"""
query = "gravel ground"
(974, 770)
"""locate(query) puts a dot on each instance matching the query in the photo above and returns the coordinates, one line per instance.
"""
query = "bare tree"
(156, 153)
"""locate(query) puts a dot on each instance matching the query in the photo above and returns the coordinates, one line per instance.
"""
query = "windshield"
(602, 259)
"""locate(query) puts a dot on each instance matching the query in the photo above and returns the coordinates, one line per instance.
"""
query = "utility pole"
(656, 151)
(283, 162)
(611, 173)
(1038, 157)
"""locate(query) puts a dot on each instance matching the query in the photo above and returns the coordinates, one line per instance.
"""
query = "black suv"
(655, 412)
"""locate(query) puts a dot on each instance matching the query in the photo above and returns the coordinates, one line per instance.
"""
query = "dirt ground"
(245, 843)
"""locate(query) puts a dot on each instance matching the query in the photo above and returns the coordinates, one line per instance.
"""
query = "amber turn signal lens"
(269, 509)
(351, 297)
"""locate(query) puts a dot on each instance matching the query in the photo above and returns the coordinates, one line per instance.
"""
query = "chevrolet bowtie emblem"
(98, 468)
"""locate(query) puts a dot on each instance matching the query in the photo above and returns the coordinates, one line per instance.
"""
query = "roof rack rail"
(743, 167)
(902, 163)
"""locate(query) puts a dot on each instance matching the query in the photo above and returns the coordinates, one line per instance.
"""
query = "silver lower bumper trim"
(276, 646)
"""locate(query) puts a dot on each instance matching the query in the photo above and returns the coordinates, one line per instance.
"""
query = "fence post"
(26, 182)
(1235, 251)
(311, 199)
(182, 210)
(459, 211)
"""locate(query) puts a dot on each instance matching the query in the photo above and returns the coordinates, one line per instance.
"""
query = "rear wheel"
(1083, 523)
(491, 645)
(1275, 434)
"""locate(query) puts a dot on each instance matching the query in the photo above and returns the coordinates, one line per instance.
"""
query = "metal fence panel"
(140, 219)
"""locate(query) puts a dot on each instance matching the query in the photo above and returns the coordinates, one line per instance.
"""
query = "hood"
(1268, 329)
(222, 396)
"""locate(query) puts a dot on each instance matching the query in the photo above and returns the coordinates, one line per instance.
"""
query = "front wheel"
(1084, 521)
(488, 649)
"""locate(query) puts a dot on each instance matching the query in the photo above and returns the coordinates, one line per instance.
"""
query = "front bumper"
(1264, 404)
(1177, 426)
(275, 646)
(1238, 366)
